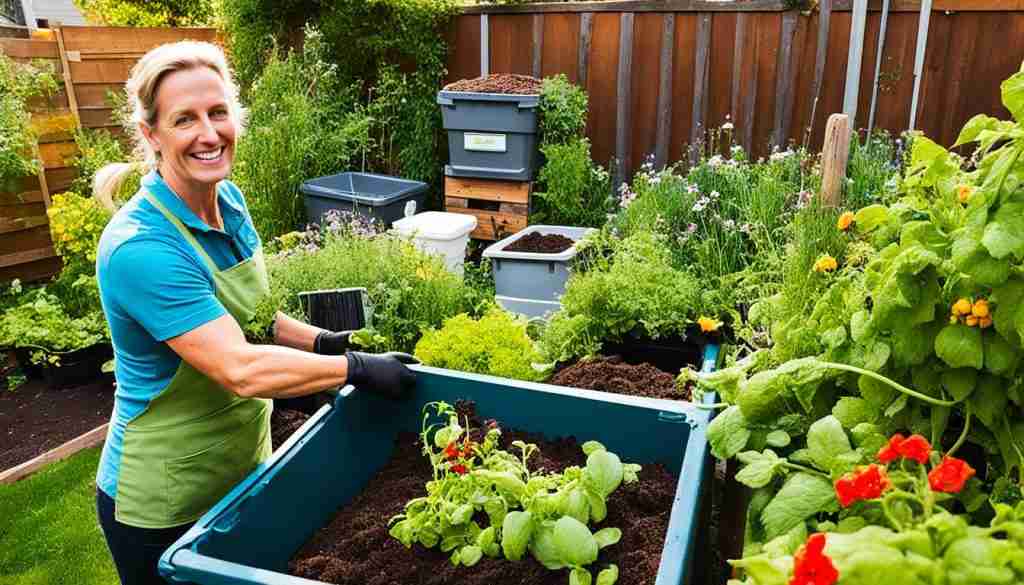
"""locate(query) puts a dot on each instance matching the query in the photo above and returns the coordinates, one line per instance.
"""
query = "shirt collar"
(231, 212)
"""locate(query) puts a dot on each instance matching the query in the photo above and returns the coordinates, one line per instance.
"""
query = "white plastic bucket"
(438, 232)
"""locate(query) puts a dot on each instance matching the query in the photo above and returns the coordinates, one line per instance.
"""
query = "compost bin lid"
(368, 189)
(436, 225)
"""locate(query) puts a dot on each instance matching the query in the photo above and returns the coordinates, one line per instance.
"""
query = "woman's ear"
(150, 135)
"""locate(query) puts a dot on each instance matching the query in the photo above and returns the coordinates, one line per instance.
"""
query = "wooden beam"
(834, 154)
(538, 42)
(29, 49)
(664, 130)
(700, 85)
(784, 80)
(84, 441)
(630, 6)
(17, 224)
(69, 85)
(27, 256)
(488, 189)
(586, 29)
(624, 97)
(938, 5)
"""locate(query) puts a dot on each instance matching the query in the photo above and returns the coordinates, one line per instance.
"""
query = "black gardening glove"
(333, 342)
(383, 373)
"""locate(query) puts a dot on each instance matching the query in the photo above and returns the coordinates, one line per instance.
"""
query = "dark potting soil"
(538, 243)
(283, 424)
(498, 83)
(355, 547)
(612, 374)
(35, 417)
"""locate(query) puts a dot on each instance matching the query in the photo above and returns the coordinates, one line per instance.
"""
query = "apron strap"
(184, 232)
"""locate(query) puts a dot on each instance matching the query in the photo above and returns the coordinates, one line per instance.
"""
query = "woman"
(180, 268)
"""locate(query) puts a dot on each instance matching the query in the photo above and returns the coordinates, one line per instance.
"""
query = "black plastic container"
(343, 309)
(76, 368)
(668, 354)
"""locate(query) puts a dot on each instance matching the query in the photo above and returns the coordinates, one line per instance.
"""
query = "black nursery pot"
(78, 367)
(668, 354)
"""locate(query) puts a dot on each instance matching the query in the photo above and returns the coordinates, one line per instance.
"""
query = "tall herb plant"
(19, 83)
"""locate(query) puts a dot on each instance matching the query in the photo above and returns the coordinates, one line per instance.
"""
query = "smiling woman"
(179, 267)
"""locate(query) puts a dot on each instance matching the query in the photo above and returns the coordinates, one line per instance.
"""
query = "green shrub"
(19, 83)
(573, 190)
(76, 224)
(563, 110)
(162, 13)
(410, 291)
(96, 149)
(41, 323)
(495, 344)
(302, 124)
(871, 170)
(635, 290)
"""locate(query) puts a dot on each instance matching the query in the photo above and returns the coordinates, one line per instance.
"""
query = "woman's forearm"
(291, 332)
(270, 371)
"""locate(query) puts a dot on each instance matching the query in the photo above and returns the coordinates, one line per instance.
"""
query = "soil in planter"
(355, 548)
(283, 424)
(612, 374)
(537, 243)
(498, 83)
(35, 418)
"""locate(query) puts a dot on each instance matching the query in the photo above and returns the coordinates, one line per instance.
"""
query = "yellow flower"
(980, 308)
(708, 325)
(962, 307)
(826, 264)
(963, 193)
(845, 221)
(953, 320)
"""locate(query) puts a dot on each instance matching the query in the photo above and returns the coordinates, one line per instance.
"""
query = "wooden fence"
(660, 72)
(90, 61)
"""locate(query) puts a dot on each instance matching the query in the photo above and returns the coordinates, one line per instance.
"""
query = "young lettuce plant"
(545, 514)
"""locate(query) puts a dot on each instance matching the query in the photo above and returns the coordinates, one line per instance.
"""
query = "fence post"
(834, 153)
(69, 85)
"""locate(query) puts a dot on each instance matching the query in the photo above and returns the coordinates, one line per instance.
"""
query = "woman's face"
(194, 130)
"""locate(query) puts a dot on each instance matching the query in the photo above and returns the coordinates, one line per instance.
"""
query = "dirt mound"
(538, 243)
(611, 374)
(284, 423)
(498, 83)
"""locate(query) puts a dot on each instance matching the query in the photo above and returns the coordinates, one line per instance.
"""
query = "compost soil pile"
(612, 374)
(35, 418)
(284, 423)
(498, 83)
(355, 548)
(538, 243)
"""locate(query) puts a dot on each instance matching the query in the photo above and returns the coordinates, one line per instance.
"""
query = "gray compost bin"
(490, 135)
(378, 197)
(531, 283)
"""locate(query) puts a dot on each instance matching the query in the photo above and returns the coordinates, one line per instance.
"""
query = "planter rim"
(497, 251)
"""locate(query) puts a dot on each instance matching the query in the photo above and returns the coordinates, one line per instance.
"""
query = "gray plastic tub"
(379, 197)
(490, 136)
(526, 276)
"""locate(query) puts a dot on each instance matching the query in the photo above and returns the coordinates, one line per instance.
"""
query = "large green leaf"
(1004, 234)
(974, 127)
(989, 401)
(728, 433)
(870, 217)
(1008, 316)
(959, 382)
(960, 347)
(826, 440)
(1001, 357)
(802, 496)
(972, 259)
(1012, 90)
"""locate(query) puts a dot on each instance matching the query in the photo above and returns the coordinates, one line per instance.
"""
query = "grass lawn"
(48, 529)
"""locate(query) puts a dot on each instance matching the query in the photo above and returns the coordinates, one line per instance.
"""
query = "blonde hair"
(142, 88)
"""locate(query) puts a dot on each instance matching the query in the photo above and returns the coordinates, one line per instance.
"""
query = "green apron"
(195, 440)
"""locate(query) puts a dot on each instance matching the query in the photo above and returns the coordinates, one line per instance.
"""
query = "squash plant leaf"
(960, 346)
(974, 127)
(1012, 90)
(1004, 235)
(802, 496)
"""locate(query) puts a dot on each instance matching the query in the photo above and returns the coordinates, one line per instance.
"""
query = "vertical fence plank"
(538, 42)
(648, 29)
(769, 32)
(722, 56)
(785, 79)
(824, 24)
(684, 51)
(737, 63)
(602, 86)
(485, 45)
(561, 46)
(623, 117)
(664, 125)
(700, 85)
(586, 27)
(746, 131)
(463, 50)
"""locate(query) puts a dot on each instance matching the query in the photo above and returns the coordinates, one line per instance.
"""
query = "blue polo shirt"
(154, 286)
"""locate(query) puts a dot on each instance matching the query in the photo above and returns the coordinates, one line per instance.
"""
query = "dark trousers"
(136, 551)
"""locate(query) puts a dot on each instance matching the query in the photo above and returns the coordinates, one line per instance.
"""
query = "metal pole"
(856, 53)
(922, 44)
(878, 65)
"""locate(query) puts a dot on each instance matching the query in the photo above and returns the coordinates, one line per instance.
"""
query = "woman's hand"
(383, 373)
(333, 342)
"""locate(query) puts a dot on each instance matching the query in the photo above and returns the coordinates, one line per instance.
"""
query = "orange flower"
(811, 566)
(984, 322)
(980, 308)
(914, 447)
(708, 325)
(963, 193)
(950, 475)
(845, 221)
(962, 307)
(971, 321)
(826, 264)
(867, 483)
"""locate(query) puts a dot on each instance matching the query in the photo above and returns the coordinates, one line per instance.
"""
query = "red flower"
(459, 468)
(451, 451)
(467, 448)
(867, 483)
(811, 566)
(950, 475)
(915, 447)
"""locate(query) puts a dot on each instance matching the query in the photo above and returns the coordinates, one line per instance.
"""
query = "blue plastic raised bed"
(251, 534)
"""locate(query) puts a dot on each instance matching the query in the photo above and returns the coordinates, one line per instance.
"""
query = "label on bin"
(484, 142)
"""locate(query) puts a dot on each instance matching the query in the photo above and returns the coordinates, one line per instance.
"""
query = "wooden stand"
(501, 208)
